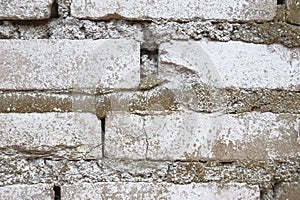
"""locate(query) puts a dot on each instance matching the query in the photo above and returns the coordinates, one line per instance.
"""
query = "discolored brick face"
(293, 12)
(50, 135)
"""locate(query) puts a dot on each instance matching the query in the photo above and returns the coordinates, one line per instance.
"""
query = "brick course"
(91, 66)
(160, 191)
(27, 192)
(177, 10)
(50, 135)
(234, 64)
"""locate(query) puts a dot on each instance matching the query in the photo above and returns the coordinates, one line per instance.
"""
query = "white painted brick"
(67, 135)
(25, 9)
(243, 10)
(124, 136)
(208, 191)
(194, 136)
(27, 192)
(233, 64)
(65, 64)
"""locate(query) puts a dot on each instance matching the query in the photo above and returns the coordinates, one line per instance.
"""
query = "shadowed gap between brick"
(280, 2)
(152, 56)
(229, 163)
(54, 10)
(103, 135)
(57, 192)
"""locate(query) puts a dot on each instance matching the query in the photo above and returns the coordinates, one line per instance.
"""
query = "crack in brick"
(146, 137)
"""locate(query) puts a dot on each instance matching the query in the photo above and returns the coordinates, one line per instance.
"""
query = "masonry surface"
(160, 99)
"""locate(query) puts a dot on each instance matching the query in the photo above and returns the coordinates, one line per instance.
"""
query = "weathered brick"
(142, 190)
(93, 66)
(293, 14)
(25, 9)
(27, 192)
(124, 136)
(189, 135)
(197, 136)
(244, 10)
(67, 135)
(28, 102)
(231, 64)
(287, 191)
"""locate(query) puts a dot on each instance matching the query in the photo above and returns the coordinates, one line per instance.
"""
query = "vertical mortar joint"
(57, 192)
(103, 136)
(149, 54)
(146, 136)
(54, 10)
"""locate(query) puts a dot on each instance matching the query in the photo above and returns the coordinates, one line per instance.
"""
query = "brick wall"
(132, 99)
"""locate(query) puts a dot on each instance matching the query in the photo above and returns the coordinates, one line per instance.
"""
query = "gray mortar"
(197, 98)
(153, 33)
(265, 174)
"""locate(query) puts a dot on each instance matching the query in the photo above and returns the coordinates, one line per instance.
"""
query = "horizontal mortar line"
(75, 91)
(208, 112)
(274, 42)
(111, 17)
(124, 181)
(35, 110)
(256, 89)
(62, 91)
(178, 161)
(38, 22)
(144, 91)
(141, 89)
(138, 21)
(236, 162)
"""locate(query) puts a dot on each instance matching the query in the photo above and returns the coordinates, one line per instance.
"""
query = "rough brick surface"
(251, 136)
(232, 10)
(25, 9)
(232, 64)
(125, 137)
(67, 135)
(293, 11)
(197, 136)
(160, 191)
(64, 64)
(27, 192)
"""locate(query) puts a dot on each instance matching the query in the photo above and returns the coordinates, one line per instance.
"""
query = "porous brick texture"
(155, 99)
(142, 190)
(62, 65)
(38, 191)
(231, 10)
(25, 9)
